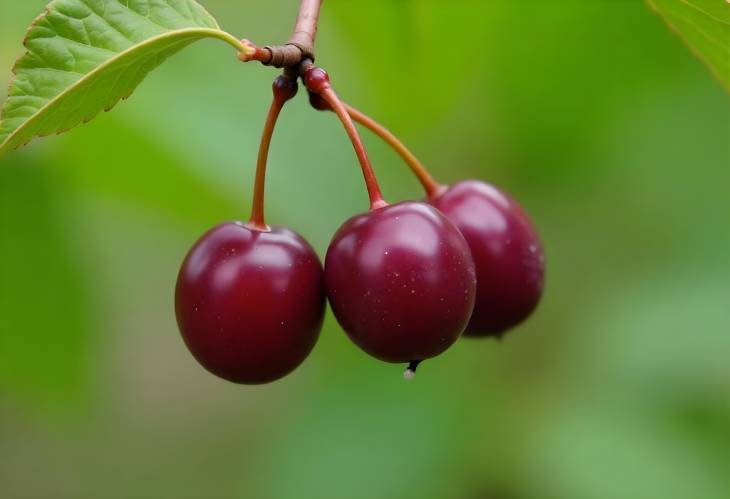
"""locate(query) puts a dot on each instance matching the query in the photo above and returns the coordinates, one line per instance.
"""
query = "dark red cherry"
(507, 253)
(250, 303)
(401, 281)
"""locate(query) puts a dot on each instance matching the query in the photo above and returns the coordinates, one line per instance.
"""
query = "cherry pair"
(404, 281)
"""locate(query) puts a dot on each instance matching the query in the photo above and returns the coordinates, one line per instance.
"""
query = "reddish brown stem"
(432, 187)
(284, 89)
(254, 53)
(376, 197)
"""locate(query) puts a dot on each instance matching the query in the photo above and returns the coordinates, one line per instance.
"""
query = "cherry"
(401, 281)
(250, 302)
(507, 252)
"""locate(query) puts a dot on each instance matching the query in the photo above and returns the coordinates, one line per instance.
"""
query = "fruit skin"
(401, 281)
(250, 303)
(507, 251)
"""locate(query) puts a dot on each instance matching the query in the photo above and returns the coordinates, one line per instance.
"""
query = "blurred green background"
(592, 113)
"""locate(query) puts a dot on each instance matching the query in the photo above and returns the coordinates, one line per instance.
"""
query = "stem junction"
(296, 56)
(297, 49)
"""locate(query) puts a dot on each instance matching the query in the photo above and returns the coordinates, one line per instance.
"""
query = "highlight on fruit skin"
(249, 303)
(507, 252)
(401, 281)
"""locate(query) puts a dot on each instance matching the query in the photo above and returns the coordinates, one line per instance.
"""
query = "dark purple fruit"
(250, 303)
(507, 252)
(401, 281)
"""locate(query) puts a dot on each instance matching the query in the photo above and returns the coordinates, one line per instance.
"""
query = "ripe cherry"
(507, 252)
(250, 302)
(401, 281)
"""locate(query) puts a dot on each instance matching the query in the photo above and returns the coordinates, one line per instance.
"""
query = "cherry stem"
(284, 89)
(371, 182)
(431, 186)
(253, 52)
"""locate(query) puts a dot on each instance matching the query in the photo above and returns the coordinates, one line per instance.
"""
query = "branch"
(298, 48)
(305, 30)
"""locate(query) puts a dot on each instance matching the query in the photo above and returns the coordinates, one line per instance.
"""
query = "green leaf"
(86, 55)
(705, 26)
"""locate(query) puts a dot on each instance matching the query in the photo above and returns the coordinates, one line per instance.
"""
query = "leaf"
(705, 26)
(86, 55)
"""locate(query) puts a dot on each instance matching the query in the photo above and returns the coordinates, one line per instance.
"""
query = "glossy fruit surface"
(401, 281)
(507, 252)
(250, 303)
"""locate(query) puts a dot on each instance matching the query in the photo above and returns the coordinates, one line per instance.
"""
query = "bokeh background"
(592, 113)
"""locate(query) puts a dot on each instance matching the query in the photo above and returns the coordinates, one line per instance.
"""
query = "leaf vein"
(702, 11)
(86, 60)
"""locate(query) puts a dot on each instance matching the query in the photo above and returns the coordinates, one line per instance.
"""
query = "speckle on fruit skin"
(510, 264)
(250, 304)
(415, 284)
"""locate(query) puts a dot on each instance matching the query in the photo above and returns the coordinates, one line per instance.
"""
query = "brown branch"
(300, 45)
(305, 31)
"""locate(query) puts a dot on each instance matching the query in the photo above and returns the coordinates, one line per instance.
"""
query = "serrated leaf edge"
(204, 32)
